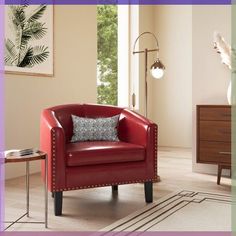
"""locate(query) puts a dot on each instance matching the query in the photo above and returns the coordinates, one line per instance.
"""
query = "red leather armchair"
(92, 164)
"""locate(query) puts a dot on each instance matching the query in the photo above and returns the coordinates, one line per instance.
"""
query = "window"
(117, 27)
(107, 54)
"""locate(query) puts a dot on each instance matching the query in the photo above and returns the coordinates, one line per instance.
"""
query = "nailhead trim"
(104, 185)
(53, 160)
(155, 150)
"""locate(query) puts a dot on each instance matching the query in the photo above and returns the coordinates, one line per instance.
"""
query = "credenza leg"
(219, 174)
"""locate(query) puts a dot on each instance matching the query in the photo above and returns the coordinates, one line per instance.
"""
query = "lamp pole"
(160, 65)
(146, 85)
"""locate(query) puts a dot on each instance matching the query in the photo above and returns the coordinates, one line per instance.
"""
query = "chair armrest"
(52, 141)
(136, 129)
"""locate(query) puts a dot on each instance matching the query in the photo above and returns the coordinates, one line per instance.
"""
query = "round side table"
(39, 155)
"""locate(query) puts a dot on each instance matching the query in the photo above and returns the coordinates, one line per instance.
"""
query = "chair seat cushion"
(102, 152)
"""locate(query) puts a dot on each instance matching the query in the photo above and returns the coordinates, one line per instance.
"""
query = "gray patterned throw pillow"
(99, 129)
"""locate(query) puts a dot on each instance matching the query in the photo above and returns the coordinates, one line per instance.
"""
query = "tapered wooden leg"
(53, 194)
(148, 189)
(58, 203)
(219, 174)
(114, 188)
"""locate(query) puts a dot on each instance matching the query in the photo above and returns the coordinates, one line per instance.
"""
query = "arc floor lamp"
(156, 69)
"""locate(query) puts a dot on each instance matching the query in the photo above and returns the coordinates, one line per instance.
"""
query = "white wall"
(172, 96)
(75, 32)
(194, 73)
(210, 77)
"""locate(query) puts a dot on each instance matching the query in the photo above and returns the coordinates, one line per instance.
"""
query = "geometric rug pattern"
(185, 210)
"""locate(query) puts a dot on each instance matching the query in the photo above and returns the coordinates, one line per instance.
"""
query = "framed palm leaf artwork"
(29, 39)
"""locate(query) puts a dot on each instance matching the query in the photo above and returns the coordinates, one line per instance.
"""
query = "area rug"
(181, 211)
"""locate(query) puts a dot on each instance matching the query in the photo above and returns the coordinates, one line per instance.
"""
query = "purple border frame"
(120, 2)
(116, 233)
(2, 171)
(2, 165)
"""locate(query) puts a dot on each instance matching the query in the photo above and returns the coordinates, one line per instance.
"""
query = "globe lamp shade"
(157, 69)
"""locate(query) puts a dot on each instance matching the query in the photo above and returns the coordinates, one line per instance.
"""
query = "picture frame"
(29, 40)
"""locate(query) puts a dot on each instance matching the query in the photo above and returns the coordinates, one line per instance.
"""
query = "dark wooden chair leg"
(114, 188)
(219, 174)
(148, 189)
(53, 194)
(58, 203)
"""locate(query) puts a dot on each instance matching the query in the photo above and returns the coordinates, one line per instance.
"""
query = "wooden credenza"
(214, 136)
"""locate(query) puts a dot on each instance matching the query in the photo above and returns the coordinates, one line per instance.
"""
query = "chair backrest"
(63, 114)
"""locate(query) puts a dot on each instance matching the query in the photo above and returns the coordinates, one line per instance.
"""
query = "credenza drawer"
(215, 113)
(214, 152)
(215, 131)
(214, 136)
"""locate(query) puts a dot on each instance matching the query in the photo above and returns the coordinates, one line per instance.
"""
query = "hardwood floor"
(94, 209)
